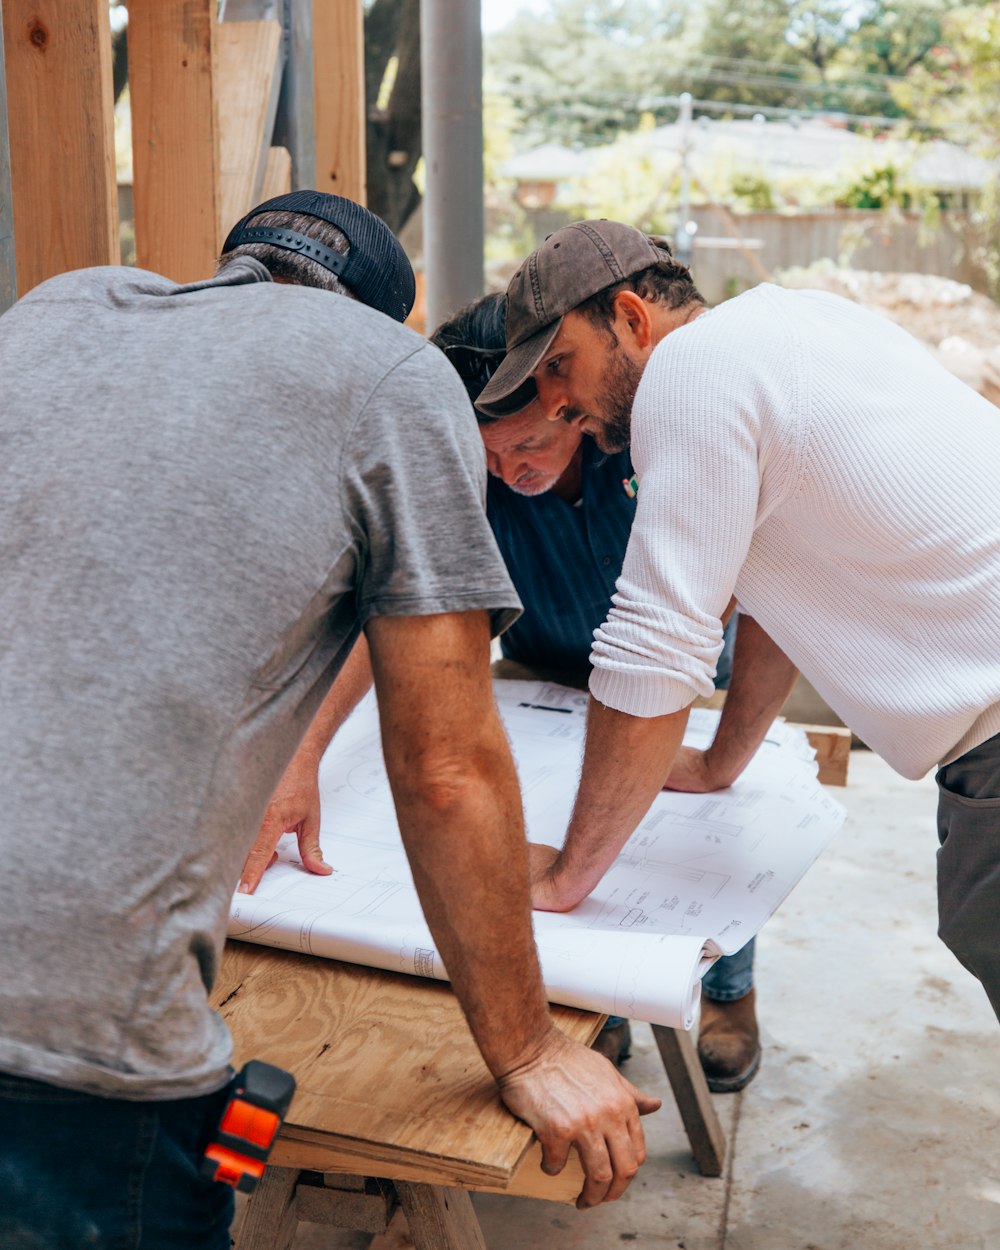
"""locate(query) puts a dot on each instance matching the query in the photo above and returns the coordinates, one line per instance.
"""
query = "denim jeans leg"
(730, 977)
(78, 1172)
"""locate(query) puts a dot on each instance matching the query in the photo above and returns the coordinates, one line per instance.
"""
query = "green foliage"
(579, 72)
(585, 72)
(954, 91)
(752, 192)
(632, 182)
(876, 188)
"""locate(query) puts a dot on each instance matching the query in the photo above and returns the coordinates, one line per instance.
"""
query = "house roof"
(784, 148)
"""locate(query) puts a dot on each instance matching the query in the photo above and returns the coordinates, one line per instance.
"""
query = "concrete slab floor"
(874, 1123)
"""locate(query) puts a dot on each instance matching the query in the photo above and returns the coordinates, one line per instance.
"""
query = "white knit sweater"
(815, 460)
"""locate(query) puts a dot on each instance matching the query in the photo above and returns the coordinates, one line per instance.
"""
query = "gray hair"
(293, 266)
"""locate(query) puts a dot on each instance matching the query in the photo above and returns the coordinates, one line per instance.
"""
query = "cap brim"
(508, 390)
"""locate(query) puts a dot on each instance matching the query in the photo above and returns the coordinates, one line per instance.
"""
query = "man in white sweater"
(810, 460)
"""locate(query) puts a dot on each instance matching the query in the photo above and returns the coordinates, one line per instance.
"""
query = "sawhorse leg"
(270, 1220)
(438, 1218)
(694, 1102)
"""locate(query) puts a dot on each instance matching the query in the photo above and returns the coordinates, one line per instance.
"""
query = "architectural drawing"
(697, 879)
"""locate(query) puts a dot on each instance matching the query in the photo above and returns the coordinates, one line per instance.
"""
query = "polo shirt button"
(606, 561)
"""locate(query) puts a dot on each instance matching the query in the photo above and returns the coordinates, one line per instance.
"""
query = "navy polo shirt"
(564, 560)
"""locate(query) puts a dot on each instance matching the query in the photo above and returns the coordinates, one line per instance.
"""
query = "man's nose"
(503, 467)
(551, 396)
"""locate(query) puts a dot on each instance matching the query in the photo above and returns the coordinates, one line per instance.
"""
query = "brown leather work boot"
(729, 1043)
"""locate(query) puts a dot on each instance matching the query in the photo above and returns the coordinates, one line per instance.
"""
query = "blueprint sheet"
(697, 879)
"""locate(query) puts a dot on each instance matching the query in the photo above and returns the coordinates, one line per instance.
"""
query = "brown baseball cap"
(573, 264)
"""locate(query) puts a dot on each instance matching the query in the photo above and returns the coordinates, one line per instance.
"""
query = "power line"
(648, 103)
(727, 78)
(794, 67)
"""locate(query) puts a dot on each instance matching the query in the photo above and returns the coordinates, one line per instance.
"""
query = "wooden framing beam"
(339, 70)
(277, 174)
(249, 79)
(175, 141)
(60, 107)
(8, 261)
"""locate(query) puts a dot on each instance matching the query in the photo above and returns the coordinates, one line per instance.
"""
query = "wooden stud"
(832, 745)
(60, 107)
(277, 173)
(694, 1102)
(248, 79)
(270, 1219)
(440, 1219)
(8, 261)
(175, 143)
(339, 66)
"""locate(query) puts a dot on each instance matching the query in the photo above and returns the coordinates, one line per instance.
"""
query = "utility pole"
(452, 109)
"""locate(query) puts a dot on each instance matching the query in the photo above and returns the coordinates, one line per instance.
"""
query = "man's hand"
(294, 805)
(294, 808)
(550, 891)
(693, 771)
(572, 1096)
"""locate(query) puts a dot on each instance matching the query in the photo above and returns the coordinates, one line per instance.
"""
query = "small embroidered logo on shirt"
(631, 486)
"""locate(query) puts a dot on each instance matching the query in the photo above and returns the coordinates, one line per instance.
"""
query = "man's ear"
(632, 318)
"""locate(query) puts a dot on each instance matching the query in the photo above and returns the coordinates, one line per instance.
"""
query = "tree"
(392, 97)
(586, 72)
(954, 89)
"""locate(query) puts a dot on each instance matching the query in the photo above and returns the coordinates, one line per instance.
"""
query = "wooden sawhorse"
(394, 1106)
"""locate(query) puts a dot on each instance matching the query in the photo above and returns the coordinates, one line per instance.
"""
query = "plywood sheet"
(388, 1074)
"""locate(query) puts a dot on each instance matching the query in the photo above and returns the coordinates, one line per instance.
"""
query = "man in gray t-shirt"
(209, 490)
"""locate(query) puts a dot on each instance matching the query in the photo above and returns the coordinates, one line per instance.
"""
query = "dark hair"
(475, 341)
(292, 266)
(666, 282)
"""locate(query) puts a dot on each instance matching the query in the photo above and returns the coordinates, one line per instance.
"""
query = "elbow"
(445, 783)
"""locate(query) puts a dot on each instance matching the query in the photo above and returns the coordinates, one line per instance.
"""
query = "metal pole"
(295, 124)
(452, 111)
(684, 236)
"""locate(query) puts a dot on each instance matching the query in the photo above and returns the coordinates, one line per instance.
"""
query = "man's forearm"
(625, 761)
(294, 805)
(465, 842)
(350, 686)
(459, 809)
(763, 677)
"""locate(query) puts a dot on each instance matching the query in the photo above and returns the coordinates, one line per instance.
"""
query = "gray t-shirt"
(206, 491)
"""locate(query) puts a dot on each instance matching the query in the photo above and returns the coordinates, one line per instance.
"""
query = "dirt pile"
(959, 325)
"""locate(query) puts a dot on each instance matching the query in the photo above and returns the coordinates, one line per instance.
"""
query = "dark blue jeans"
(84, 1173)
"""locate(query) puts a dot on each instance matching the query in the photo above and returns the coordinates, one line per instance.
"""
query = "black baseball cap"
(573, 264)
(375, 270)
